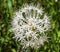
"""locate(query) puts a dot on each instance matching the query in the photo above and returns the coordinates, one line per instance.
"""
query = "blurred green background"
(7, 7)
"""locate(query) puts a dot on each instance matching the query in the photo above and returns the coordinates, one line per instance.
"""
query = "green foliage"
(7, 7)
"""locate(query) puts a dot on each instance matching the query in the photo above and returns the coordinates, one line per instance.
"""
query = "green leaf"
(58, 33)
(13, 50)
(9, 4)
(2, 40)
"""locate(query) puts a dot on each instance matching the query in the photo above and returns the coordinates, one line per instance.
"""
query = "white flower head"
(29, 26)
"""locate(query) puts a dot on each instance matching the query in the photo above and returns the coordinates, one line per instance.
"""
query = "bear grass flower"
(29, 26)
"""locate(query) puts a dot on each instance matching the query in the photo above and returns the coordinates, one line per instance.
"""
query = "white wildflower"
(29, 25)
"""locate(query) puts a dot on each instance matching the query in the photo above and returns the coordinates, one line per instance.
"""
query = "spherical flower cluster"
(29, 26)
